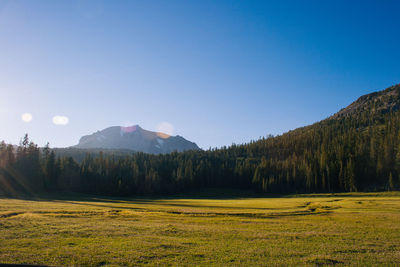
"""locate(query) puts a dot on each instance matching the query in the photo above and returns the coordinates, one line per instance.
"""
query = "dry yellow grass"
(345, 229)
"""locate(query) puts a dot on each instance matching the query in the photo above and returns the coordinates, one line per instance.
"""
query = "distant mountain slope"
(79, 154)
(137, 139)
(378, 102)
(357, 149)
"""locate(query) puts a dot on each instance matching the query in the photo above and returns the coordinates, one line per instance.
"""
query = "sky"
(215, 72)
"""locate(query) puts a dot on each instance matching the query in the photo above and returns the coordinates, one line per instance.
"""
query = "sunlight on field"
(348, 229)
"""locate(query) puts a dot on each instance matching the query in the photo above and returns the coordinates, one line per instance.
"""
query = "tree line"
(360, 152)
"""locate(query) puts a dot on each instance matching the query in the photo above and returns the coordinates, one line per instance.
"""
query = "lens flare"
(60, 120)
(166, 128)
(27, 117)
(128, 129)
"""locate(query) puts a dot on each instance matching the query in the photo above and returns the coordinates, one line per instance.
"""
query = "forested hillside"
(357, 149)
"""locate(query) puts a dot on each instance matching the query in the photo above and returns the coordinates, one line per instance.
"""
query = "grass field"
(202, 229)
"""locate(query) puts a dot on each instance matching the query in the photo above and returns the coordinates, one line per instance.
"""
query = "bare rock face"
(378, 102)
(137, 139)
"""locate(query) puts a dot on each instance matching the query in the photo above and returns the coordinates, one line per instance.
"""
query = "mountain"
(137, 139)
(384, 101)
(356, 149)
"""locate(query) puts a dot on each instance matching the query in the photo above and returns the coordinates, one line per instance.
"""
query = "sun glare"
(60, 120)
(165, 127)
(26, 117)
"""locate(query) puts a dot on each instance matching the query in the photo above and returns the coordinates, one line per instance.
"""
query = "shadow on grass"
(208, 193)
(172, 203)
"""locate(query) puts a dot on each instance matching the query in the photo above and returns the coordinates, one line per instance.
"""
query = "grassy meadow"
(206, 228)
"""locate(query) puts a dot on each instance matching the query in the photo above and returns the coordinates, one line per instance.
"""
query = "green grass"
(208, 228)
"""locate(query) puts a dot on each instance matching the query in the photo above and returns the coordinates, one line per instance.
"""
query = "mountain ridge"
(355, 150)
(380, 101)
(135, 138)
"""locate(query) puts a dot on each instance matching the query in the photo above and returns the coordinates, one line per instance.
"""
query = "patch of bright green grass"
(195, 229)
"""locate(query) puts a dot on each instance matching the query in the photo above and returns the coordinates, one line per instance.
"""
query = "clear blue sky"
(220, 72)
